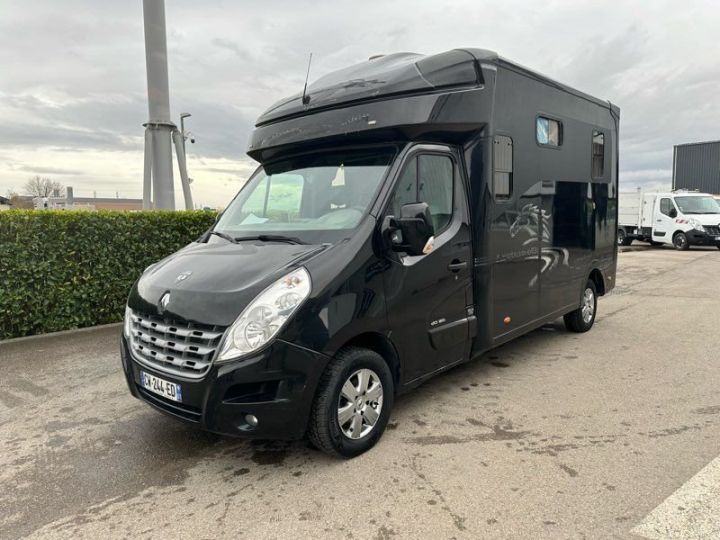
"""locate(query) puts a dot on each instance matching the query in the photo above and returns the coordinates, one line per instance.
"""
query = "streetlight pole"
(179, 140)
(183, 116)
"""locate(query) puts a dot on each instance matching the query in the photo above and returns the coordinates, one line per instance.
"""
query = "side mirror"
(411, 231)
(672, 213)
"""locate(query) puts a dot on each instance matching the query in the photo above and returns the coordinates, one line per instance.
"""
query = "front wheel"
(680, 241)
(583, 318)
(353, 403)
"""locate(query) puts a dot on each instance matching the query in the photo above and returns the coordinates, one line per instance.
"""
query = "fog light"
(252, 420)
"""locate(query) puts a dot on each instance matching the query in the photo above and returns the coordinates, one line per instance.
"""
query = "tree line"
(37, 186)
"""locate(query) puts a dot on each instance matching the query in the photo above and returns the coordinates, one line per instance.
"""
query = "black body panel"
(399, 74)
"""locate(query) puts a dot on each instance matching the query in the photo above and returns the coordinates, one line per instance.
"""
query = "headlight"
(263, 318)
(127, 321)
(695, 224)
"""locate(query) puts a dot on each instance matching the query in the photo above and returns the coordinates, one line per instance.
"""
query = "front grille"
(184, 349)
(712, 229)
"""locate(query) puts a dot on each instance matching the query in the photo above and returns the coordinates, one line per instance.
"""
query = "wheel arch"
(383, 346)
(678, 231)
(597, 278)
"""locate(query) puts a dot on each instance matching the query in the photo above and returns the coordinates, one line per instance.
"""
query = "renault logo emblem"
(164, 301)
(183, 276)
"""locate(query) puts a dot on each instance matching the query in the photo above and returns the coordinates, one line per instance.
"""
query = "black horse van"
(408, 214)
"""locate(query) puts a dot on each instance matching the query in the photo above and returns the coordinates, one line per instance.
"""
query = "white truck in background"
(679, 218)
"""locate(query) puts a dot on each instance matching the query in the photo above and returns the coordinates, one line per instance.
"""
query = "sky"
(73, 92)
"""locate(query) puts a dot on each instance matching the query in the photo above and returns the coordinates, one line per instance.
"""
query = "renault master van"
(679, 218)
(408, 214)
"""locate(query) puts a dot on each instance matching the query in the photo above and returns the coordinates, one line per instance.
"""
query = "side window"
(666, 206)
(548, 132)
(427, 178)
(406, 188)
(503, 159)
(435, 187)
(598, 154)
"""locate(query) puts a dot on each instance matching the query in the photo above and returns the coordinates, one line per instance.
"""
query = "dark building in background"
(696, 166)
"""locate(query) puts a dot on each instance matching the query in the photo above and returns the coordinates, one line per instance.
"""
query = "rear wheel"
(583, 318)
(622, 238)
(680, 241)
(353, 403)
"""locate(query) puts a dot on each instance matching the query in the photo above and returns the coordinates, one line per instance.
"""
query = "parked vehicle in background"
(409, 213)
(679, 218)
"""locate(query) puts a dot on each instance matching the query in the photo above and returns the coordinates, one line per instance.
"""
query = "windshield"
(697, 205)
(319, 197)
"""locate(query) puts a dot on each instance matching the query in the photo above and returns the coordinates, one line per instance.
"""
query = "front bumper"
(277, 386)
(702, 238)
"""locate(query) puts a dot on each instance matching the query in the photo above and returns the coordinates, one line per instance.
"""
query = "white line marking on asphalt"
(692, 512)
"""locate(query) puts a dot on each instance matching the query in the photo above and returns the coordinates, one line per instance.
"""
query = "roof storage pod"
(383, 77)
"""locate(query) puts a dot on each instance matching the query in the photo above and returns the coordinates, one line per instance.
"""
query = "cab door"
(664, 220)
(429, 297)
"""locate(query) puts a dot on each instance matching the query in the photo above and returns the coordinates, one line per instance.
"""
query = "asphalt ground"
(609, 434)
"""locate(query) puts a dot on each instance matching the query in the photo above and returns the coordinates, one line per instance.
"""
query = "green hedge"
(62, 269)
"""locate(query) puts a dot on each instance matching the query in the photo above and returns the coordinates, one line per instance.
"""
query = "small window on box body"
(503, 159)
(548, 132)
(598, 154)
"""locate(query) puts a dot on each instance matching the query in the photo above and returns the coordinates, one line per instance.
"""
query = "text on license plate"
(160, 386)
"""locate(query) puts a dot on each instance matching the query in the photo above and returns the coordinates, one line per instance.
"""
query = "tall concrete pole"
(159, 124)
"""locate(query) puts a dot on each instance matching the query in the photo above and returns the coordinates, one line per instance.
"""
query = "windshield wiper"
(221, 235)
(271, 238)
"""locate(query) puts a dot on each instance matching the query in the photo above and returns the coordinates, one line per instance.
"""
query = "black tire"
(575, 321)
(718, 246)
(680, 241)
(324, 430)
(622, 238)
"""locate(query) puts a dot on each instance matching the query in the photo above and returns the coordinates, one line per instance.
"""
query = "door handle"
(456, 265)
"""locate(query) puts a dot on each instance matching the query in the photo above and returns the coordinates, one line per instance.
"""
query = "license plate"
(160, 386)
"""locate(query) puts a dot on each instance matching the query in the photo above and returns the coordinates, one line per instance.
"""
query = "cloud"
(49, 170)
(231, 46)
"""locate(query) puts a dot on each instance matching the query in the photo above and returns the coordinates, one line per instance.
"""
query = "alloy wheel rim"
(679, 240)
(620, 238)
(588, 305)
(360, 403)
